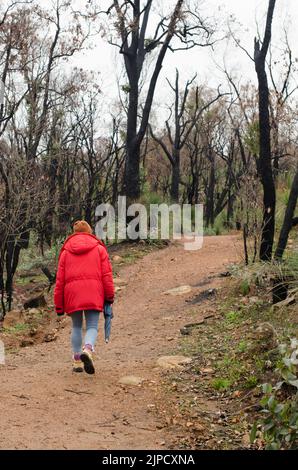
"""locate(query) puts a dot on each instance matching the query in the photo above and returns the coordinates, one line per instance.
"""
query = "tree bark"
(265, 164)
(175, 176)
(288, 220)
(134, 57)
(210, 193)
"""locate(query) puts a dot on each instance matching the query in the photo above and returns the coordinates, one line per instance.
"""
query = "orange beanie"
(81, 226)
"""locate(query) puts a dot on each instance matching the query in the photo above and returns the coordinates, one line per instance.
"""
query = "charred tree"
(265, 158)
(289, 220)
(135, 46)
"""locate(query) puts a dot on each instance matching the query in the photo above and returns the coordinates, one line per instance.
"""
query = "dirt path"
(45, 406)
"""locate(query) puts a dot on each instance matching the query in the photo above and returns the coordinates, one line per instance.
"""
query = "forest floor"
(139, 398)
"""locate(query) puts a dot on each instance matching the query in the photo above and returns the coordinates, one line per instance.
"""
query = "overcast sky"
(205, 62)
(249, 13)
(106, 59)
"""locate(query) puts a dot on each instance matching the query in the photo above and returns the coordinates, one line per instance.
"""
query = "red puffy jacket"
(84, 278)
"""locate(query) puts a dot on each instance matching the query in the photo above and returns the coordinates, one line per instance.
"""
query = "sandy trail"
(45, 406)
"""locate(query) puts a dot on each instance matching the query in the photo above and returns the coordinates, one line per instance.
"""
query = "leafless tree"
(183, 28)
(185, 116)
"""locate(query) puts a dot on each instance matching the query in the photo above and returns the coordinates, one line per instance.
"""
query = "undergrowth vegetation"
(245, 342)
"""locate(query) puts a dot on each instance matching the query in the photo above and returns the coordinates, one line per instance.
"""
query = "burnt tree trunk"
(133, 147)
(265, 164)
(288, 220)
(134, 54)
(89, 201)
(210, 193)
(14, 248)
(175, 176)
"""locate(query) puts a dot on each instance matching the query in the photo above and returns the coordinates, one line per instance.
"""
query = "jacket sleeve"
(59, 287)
(107, 276)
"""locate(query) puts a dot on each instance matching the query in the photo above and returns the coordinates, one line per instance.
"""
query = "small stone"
(131, 380)
(181, 290)
(33, 311)
(119, 288)
(246, 440)
(208, 370)
(173, 362)
(117, 259)
(120, 282)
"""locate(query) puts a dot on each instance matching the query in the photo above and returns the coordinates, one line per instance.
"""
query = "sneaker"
(86, 358)
(78, 366)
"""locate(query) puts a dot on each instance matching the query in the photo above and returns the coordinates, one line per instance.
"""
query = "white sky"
(200, 60)
(106, 58)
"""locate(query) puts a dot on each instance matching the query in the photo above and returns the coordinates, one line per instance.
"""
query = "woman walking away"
(84, 284)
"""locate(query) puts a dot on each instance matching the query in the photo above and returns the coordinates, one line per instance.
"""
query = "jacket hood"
(80, 243)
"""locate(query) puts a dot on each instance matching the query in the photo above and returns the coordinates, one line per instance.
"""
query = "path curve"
(45, 406)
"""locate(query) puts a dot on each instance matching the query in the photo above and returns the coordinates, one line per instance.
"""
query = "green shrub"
(279, 425)
(245, 287)
(221, 384)
(18, 328)
(251, 382)
(242, 346)
(232, 317)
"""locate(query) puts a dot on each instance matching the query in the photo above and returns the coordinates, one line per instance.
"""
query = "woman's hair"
(81, 226)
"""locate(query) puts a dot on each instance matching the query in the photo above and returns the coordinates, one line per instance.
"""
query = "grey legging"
(92, 317)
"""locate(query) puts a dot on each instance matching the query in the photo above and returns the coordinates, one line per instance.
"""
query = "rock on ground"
(181, 290)
(131, 380)
(173, 362)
